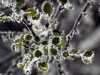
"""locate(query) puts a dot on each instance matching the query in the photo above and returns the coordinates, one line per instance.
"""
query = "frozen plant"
(43, 44)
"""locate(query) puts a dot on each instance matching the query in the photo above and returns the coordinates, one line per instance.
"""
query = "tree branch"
(74, 29)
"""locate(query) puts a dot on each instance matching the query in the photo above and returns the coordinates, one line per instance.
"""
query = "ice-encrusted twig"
(74, 29)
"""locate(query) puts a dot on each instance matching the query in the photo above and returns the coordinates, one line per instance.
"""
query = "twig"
(74, 29)
(29, 27)
(60, 72)
(53, 17)
(13, 67)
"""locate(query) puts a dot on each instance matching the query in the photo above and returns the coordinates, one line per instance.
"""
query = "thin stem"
(60, 72)
(13, 67)
(29, 27)
(86, 6)
(53, 17)
(59, 8)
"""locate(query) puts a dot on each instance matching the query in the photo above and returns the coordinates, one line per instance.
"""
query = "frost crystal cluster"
(43, 43)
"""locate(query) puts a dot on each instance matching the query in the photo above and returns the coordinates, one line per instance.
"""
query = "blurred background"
(88, 39)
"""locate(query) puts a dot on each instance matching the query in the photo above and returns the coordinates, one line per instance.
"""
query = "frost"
(69, 6)
(87, 60)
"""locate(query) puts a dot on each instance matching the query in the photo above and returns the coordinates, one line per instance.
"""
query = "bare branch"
(74, 29)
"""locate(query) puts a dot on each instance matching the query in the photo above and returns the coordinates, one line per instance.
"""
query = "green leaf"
(43, 66)
(45, 43)
(47, 8)
(36, 38)
(88, 53)
(55, 40)
(30, 12)
(74, 51)
(28, 37)
(63, 1)
(57, 32)
(38, 53)
(53, 51)
(65, 54)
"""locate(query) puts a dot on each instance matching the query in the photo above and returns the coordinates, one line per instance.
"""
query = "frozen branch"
(77, 21)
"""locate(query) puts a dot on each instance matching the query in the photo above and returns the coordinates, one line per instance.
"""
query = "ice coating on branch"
(29, 66)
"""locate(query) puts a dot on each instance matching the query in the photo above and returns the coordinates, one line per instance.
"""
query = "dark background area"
(88, 39)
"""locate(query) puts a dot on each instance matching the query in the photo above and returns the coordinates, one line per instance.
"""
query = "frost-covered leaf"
(47, 7)
(62, 43)
(38, 53)
(87, 57)
(88, 53)
(18, 45)
(31, 12)
(57, 32)
(65, 54)
(54, 24)
(5, 17)
(36, 38)
(27, 37)
(55, 40)
(20, 65)
(74, 51)
(45, 50)
(43, 66)
(25, 50)
(53, 51)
